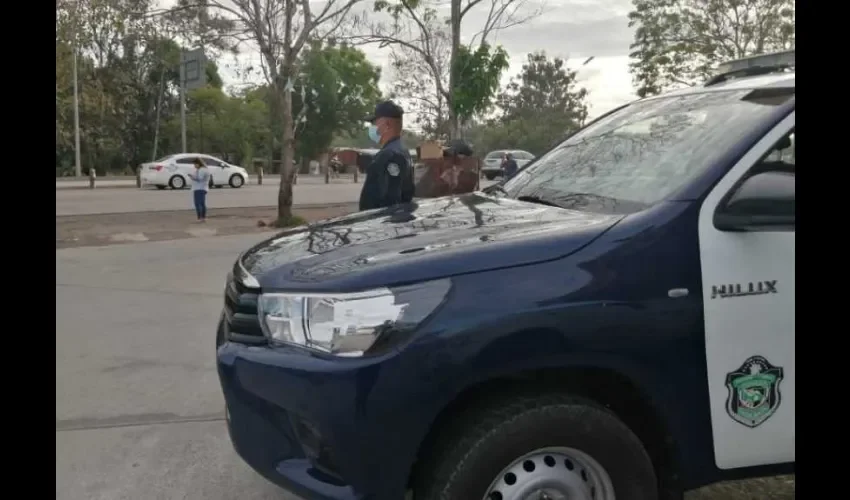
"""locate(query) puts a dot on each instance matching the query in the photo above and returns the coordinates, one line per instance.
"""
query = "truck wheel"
(547, 446)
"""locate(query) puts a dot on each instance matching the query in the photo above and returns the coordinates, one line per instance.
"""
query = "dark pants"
(200, 203)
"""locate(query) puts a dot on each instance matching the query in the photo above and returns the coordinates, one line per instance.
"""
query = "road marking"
(87, 424)
(128, 237)
(201, 232)
(140, 290)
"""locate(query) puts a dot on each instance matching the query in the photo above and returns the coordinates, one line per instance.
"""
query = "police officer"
(389, 178)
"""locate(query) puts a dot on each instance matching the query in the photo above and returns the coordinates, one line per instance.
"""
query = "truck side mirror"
(763, 202)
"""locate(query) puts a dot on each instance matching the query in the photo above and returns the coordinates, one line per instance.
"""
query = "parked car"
(172, 171)
(618, 319)
(492, 165)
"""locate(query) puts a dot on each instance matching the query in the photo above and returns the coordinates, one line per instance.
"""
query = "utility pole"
(78, 168)
(158, 113)
(192, 76)
(183, 100)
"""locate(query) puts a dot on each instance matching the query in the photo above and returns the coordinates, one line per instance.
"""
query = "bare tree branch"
(416, 27)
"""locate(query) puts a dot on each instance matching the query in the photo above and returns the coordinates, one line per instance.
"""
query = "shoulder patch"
(393, 169)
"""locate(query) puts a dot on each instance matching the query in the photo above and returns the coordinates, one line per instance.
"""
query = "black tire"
(469, 456)
(490, 177)
(236, 181)
(160, 187)
(177, 182)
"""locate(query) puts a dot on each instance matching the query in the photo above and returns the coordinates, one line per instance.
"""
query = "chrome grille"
(240, 313)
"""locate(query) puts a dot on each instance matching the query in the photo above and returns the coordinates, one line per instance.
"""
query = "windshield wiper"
(571, 200)
(573, 196)
(540, 201)
(495, 187)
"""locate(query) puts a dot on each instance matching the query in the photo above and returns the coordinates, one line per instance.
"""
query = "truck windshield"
(638, 155)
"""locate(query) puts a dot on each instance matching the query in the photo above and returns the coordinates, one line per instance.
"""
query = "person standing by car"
(200, 185)
(389, 177)
(510, 166)
(336, 166)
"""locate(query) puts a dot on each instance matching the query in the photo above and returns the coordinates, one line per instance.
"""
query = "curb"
(71, 188)
(307, 206)
(60, 187)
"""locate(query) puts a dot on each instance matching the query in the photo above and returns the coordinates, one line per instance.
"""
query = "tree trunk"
(287, 171)
(454, 122)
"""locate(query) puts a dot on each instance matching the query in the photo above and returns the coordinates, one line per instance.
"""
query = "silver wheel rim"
(237, 181)
(552, 474)
(178, 182)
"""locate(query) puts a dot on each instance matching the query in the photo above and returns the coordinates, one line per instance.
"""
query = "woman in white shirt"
(200, 186)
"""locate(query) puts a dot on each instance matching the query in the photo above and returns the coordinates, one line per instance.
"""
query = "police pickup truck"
(616, 321)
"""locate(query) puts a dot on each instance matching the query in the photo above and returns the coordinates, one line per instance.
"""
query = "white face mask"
(374, 135)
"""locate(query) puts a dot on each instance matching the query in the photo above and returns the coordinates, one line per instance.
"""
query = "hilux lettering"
(740, 290)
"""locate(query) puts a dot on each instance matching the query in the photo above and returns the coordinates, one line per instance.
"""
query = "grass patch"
(291, 221)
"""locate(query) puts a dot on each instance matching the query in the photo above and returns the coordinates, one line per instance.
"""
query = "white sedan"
(492, 166)
(172, 171)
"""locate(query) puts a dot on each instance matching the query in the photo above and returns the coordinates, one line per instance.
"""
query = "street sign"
(194, 62)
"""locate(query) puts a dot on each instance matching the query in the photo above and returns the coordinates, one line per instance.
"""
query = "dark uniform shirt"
(511, 168)
(389, 178)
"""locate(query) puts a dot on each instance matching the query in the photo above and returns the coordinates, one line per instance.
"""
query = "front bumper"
(324, 428)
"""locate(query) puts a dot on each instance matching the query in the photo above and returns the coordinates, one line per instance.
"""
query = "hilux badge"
(753, 391)
(741, 290)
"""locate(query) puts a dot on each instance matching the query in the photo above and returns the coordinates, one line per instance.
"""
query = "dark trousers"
(200, 198)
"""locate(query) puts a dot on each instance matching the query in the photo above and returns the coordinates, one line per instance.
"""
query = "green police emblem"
(753, 391)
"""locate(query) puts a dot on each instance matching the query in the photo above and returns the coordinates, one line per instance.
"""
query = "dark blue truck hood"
(420, 241)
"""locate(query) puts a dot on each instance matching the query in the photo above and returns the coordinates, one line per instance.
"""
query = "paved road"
(114, 200)
(139, 412)
(130, 182)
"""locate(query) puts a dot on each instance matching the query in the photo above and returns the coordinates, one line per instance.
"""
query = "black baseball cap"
(386, 109)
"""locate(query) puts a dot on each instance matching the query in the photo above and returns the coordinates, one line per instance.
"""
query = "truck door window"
(780, 159)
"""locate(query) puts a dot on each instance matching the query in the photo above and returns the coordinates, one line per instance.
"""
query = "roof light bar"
(774, 60)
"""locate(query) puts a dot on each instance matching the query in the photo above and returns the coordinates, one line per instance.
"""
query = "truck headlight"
(349, 324)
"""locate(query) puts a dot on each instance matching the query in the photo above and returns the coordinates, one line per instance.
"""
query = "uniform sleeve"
(375, 186)
(408, 184)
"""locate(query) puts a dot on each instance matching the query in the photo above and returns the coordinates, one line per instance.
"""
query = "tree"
(280, 30)
(539, 107)
(680, 42)
(418, 82)
(480, 71)
(418, 30)
(121, 52)
(337, 88)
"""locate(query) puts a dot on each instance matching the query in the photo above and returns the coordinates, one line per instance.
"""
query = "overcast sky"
(571, 29)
